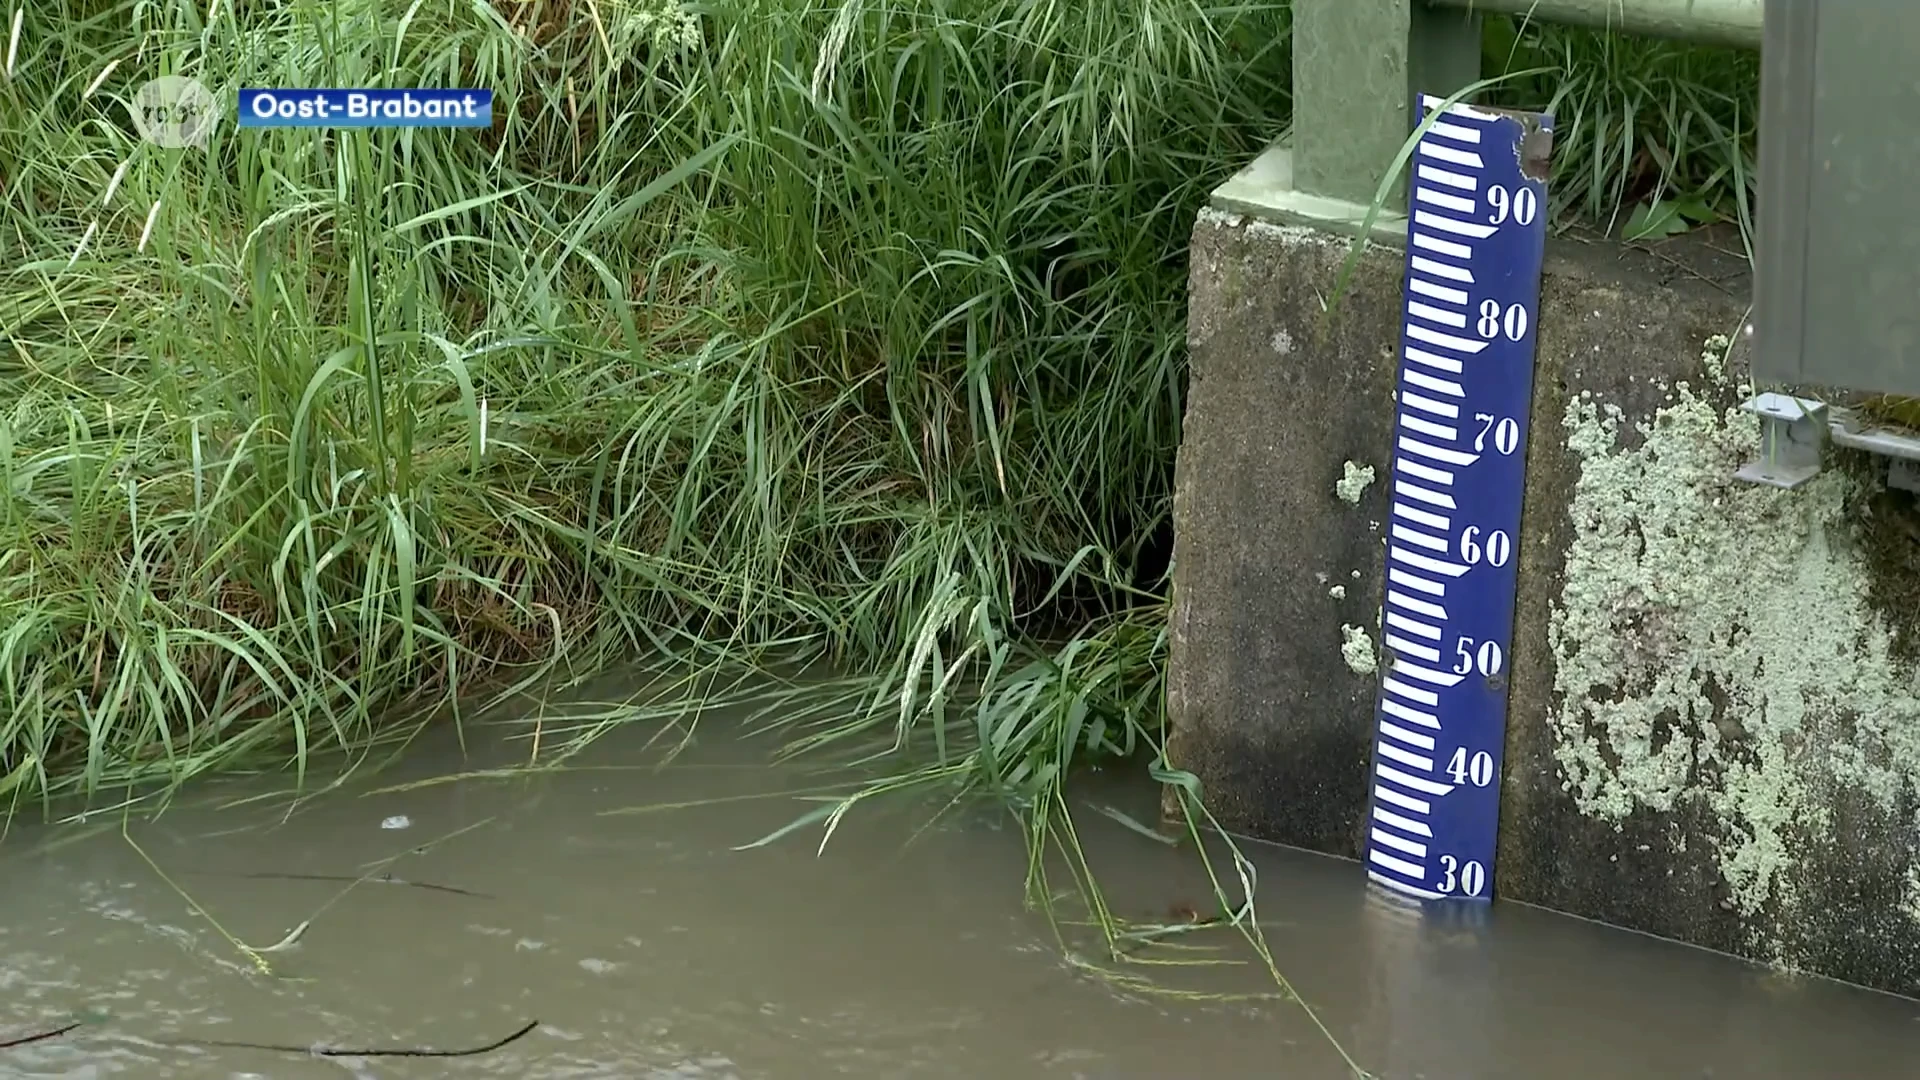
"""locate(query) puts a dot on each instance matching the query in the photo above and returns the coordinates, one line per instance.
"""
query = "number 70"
(1506, 433)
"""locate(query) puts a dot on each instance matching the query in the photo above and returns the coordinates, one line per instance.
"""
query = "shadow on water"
(649, 946)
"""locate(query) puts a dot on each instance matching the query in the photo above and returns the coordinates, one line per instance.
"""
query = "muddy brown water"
(648, 947)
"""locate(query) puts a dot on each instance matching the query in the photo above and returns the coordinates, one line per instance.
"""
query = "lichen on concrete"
(1356, 648)
(1714, 642)
(1353, 482)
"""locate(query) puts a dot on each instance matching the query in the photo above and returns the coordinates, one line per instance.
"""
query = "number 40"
(1476, 769)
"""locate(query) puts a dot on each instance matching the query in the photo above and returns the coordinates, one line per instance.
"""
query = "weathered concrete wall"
(1711, 736)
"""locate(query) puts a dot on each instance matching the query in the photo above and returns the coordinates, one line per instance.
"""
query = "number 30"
(1469, 878)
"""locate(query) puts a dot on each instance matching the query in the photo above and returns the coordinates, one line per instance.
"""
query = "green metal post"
(1356, 66)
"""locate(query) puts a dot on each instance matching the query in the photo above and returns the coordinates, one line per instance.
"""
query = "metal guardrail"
(1709, 22)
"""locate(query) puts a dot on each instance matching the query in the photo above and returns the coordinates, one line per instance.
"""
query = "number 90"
(1521, 205)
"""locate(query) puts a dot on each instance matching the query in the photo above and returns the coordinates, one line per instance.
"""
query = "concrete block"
(1711, 735)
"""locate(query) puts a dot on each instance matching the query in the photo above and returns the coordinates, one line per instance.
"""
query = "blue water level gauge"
(1476, 233)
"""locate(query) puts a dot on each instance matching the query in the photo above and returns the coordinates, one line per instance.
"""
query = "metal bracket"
(1793, 434)
(1792, 437)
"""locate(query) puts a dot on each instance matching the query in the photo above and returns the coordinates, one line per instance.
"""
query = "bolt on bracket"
(1794, 432)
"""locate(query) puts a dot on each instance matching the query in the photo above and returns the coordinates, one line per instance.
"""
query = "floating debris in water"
(316, 1051)
(326, 1052)
(363, 879)
(288, 942)
(39, 1036)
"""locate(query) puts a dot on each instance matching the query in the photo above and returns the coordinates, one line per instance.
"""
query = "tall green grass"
(1640, 124)
(753, 330)
(849, 330)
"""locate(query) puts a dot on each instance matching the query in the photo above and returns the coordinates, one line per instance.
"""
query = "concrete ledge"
(1711, 735)
(1265, 190)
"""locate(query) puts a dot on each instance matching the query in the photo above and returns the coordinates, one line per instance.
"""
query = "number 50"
(1487, 659)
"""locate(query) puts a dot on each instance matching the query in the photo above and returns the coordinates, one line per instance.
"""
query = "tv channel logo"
(174, 111)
